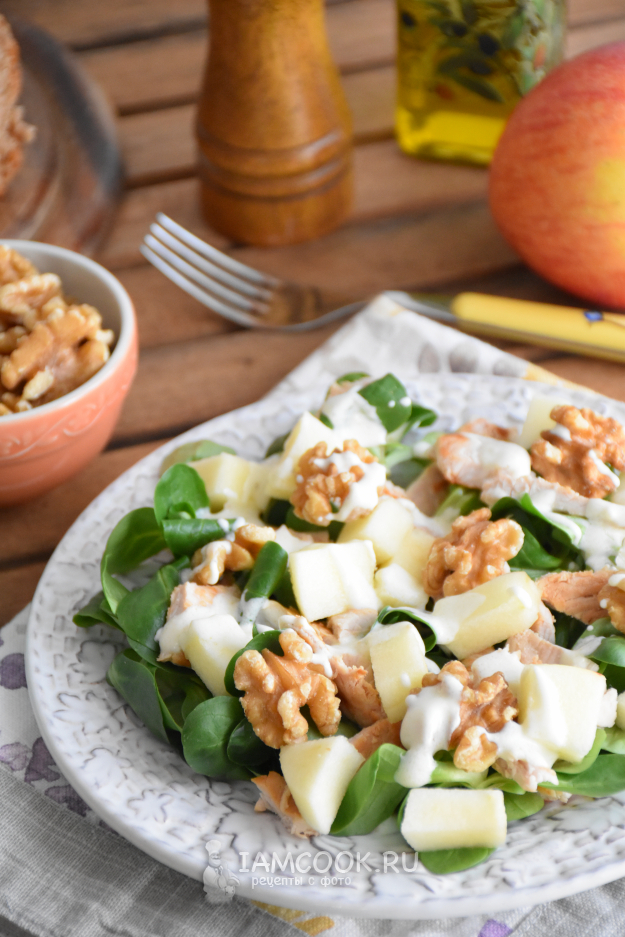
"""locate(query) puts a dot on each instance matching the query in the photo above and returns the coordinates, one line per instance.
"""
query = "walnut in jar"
(48, 344)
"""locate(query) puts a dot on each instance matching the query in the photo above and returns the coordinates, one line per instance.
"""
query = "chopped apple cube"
(386, 526)
(209, 644)
(396, 587)
(560, 706)
(537, 419)
(488, 614)
(225, 477)
(453, 818)
(399, 665)
(307, 432)
(414, 551)
(318, 774)
(330, 578)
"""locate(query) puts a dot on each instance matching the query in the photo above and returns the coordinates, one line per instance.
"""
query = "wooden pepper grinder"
(273, 126)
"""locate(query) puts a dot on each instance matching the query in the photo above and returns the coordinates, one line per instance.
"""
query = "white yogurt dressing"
(562, 431)
(513, 744)
(353, 417)
(603, 468)
(432, 716)
(170, 635)
(363, 493)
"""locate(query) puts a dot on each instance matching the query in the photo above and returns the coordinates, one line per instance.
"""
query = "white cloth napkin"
(65, 873)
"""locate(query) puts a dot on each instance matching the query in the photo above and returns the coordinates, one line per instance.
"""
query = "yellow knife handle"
(583, 331)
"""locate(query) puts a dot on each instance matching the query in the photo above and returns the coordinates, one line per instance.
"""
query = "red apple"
(557, 180)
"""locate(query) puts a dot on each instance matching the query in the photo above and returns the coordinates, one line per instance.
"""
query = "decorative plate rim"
(58, 651)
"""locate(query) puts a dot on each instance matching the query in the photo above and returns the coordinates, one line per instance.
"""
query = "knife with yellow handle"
(582, 331)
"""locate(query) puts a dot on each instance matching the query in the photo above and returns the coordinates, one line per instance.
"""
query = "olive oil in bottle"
(464, 64)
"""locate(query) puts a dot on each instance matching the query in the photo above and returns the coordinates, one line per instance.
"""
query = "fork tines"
(226, 286)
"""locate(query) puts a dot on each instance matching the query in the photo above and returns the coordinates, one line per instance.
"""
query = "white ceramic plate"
(143, 789)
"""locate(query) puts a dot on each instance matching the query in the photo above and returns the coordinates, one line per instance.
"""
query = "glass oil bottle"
(462, 67)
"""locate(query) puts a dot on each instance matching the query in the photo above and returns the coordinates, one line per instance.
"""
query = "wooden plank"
(605, 377)
(17, 587)
(160, 145)
(165, 313)
(34, 529)
(395, 253)
(84, 25)
(180, 385)
(361, 34)
(371, 97)
(579, 40)
(594, 11)
(138, 210)
(386, 183)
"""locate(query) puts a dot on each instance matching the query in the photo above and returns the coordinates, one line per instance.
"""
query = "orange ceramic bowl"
(45, 446)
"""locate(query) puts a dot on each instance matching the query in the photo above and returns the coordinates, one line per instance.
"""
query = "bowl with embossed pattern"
(44, 446)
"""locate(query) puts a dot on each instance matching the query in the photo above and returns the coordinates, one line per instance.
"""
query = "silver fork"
(232, 289)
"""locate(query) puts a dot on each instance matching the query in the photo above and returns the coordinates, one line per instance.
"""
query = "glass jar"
(464, 64)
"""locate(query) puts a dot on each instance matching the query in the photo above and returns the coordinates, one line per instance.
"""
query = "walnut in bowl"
(62, 387)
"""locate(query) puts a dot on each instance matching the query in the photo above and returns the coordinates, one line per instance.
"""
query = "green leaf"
(96, 611)
(193, 452)
(266, 639)
(142, 612)
(446, 861)
(610, 651)
(351, 377)
(519, 806)
(604, 777)
(372, 795)
(390, 399)
(568, 629)
(496, 781)
(459, 502)
(206, 734)
(180, 691)
(245, 748)
(135, 539)
(283, 593)
(275, 513)
(533, 556)
(277, 446)
(293, 522)
(185, 535)
(406, 472)
(554, 538)
(614, 741)
(445, 774)
(267, 574)
(180, 489)
(326, 420)
(567, 767)
(134, 680)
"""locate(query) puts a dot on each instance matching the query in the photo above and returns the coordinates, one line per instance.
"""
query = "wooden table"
(414, 225)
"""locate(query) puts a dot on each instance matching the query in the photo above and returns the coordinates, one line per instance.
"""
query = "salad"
(379, 619)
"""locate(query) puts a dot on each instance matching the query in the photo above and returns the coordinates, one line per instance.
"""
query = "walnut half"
(575, 452)
(485, 705)
(277, 687)
(323, 486)
(474, 552)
